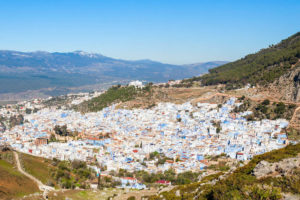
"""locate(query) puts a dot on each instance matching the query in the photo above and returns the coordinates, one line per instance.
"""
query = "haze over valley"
(40, 74)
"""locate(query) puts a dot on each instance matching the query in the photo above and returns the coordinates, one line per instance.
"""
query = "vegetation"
(266, 110)
(62, 130)
(217, 124)
(293, 134)
(7, 123)
(168, 175)
(160, 157)
(262, 67)
(113, 95)
(72, 174)
(221, 166)
(61, 174)
(12, 181)
(29, 111)
(242, 184)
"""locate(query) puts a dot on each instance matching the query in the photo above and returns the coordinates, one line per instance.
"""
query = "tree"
(28, 111)
(266, 102)
(61, 130)
(52, 138)
(280, 108)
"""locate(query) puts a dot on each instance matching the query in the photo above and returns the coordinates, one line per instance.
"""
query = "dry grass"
(38, 167)
(12, 183)
(174, 95)
(118, 194)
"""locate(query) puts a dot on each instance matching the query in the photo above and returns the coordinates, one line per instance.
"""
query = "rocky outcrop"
(281, 168)
(295, 121)
(288, 85)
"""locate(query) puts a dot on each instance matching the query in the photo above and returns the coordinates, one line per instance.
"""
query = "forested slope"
(262, 67)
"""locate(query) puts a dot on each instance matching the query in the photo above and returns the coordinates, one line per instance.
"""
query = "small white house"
(137, 84)
(132, 183)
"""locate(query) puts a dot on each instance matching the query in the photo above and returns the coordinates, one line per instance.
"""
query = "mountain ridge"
(23, 71)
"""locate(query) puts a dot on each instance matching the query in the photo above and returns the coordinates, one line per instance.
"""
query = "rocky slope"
(285, 167)
(274, 175)
(288, 85)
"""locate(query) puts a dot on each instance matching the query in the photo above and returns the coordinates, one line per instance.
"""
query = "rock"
(281, 168)
(288, 85)
(177, 193)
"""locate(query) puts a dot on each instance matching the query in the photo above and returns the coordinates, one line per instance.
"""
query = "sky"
(169, 31)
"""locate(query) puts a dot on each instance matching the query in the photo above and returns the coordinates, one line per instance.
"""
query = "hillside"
(12, 182)
(59, 73)
(261, 68)
(58, 174)
(149, 96)
(272, 175)
(115, 94)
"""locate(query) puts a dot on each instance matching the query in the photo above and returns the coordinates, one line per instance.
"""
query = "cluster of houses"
(124, 139)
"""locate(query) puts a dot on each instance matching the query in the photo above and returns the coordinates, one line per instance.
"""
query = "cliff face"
(286, 167)
(288, 86)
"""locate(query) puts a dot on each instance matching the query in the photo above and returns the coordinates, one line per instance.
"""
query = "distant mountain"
(205, 65)
(22, 71)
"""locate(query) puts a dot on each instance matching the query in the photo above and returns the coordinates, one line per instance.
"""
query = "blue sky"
(178, 32)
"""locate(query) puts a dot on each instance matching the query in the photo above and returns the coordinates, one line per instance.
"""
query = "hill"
(261, 68)
(61, 72)
(56, 173)
(129, 97)
(12, 182)
(272, 175)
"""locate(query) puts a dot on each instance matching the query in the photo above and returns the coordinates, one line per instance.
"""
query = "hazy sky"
(171, 31)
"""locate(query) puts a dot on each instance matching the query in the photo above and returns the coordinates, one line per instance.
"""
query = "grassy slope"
(60, 174)
(242, 184)
(12, 182)
(262, 67)
(94, 194)
(40, 168)
(113, 95)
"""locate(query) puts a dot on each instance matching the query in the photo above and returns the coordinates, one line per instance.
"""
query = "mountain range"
(23, 71)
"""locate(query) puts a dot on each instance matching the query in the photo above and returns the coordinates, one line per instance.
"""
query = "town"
(184, 135)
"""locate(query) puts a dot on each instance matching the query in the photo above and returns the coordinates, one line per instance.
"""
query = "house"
(129, 182)
(163, 182)
(137, 84)
(241, 156)
(41, 141)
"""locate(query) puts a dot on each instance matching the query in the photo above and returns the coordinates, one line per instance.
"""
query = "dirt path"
(238, 96)
(295, 122)
(295, 113)
(41, 186)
